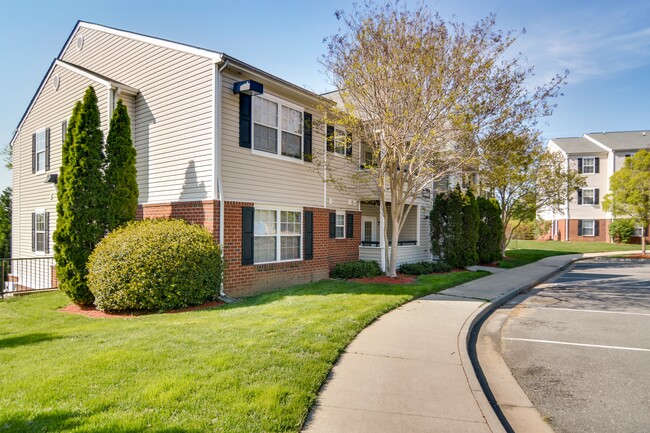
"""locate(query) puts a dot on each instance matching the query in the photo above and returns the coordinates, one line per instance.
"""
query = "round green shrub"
(155, 265)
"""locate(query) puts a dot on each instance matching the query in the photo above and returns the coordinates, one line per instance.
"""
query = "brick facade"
(603, 229)
(240, 280)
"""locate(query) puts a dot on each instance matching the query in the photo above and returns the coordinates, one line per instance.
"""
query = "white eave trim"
(597, 143)
(143, 38)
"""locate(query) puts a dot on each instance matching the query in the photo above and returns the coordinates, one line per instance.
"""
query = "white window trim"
(278, 154)
(593, 165)
(593, 197)
(336, 225)
(278, 235)
(44, 151)
(593, 228)
(42, 212)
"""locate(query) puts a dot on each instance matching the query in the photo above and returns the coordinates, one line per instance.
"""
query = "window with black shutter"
(349, 226)
(245, 118)
(307, 128)
(309, 235)
(248, 235)
(332, 224)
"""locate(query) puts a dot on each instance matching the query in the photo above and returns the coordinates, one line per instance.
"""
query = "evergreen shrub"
(423, 268)
(155, 265)
(490, 230)
(358, 269)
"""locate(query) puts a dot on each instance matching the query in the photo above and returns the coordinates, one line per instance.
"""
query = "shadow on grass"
(425, 285)
(22, 340)
(61, 421)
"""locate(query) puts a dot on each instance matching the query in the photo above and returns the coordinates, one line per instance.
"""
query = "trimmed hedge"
(359, 269)
(155, 265)
(423, 268)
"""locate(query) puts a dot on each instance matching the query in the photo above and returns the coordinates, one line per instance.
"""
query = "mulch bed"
(96, 314)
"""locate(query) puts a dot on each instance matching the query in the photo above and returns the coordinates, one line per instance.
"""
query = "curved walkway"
(410, 371)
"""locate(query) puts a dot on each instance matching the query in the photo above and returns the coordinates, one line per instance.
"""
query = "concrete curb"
(473, 322)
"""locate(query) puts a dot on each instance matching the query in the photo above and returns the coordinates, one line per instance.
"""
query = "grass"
(255, 366)
(524, 252)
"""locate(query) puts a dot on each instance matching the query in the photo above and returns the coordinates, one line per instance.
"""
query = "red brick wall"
(205, 213)
(246, 280)
(603, 234)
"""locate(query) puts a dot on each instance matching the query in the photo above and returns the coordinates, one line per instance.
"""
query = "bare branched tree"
(419, 92)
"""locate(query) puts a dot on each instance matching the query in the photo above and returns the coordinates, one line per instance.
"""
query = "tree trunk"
(392, 272)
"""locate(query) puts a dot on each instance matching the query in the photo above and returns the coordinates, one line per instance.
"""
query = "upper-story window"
(40, 151)
(277, 127)
(589, 165)
(588, 196)
(339, 142)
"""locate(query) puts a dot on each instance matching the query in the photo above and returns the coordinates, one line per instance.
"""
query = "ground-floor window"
(40, 231)
(587, 228)
(278, 235)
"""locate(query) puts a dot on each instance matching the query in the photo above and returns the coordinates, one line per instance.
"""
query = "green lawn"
(255, 366)
(524, 252)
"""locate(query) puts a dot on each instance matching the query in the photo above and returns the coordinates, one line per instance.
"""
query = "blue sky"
(605, 45)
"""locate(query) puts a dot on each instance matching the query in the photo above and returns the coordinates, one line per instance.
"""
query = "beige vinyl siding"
(265, 179)
(30, 192)
(173, 123)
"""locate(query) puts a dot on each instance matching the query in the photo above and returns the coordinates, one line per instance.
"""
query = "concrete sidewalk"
(409, 371)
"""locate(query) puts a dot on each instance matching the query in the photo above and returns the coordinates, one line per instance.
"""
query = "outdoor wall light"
(52, 178)
(248, 87)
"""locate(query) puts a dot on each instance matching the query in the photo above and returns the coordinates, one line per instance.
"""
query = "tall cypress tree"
(469, 231)
(120, 173)
(81, 195)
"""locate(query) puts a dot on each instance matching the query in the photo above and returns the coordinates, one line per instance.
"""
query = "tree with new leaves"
(524, 178)
(5, 222)
(630, 192)
(120, 173)
(418, 91)
(81, 199)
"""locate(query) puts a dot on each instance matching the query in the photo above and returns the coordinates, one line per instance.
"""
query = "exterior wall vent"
(80, 42)
(56, 80)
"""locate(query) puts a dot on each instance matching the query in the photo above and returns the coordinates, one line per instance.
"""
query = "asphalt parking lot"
(579, 346)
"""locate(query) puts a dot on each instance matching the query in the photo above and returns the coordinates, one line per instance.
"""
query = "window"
(278, 235)
(277, 127)
(40, 151)
(587, 228)
(340, 225)
(589, 165)
(588, 196)
(340, 142)
(39, 231)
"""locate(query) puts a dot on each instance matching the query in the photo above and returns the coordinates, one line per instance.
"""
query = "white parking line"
(637, 349)
(591, 311)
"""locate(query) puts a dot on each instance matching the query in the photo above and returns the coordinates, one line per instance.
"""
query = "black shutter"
(332, 224)
(247, 235)
(579, 227)
(348, 145)
(596, 196)
(47, 232)
(64, 130)
(309, 235)
(579, 196)
(349, 226)
(33, 153)
(47, 149)
(596, 228)
(33, 231)
(330, 138)
(307, 138)
(596, 165)
(245, 124)
(579, 165)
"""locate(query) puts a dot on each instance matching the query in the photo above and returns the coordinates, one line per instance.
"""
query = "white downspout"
(219, 104)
